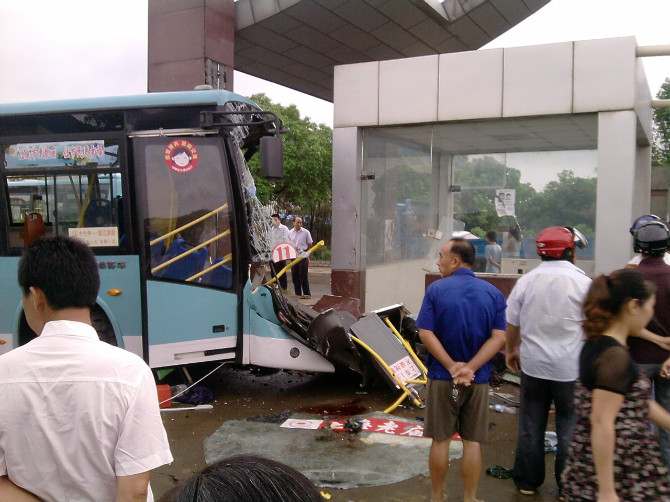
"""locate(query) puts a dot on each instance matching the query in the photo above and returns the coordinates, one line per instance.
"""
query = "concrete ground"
(240, 393)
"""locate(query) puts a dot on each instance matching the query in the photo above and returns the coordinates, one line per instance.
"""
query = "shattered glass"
(259, 222)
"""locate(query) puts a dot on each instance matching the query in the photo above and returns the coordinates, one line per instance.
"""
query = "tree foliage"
(568, 200)
(307, 185)
(660, 151)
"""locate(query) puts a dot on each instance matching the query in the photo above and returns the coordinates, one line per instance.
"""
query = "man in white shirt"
(79, 419)
(544, 314)
(302, 240)
(279, 235)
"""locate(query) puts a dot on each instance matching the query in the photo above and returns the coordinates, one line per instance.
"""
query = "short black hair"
(491, 235)
(275, 216)
(464, 250)
(64, 269)
(245, 477)
(568, 254)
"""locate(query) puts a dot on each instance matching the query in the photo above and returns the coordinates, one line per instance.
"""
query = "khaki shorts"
(467, 414)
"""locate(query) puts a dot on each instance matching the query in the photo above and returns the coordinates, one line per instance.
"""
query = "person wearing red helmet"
(544, 316)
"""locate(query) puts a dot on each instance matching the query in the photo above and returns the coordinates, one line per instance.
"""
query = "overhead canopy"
(296, 43)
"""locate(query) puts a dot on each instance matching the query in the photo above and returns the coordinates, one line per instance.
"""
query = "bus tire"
(103, 326)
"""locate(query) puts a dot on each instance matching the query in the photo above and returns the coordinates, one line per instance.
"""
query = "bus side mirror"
(272, 157)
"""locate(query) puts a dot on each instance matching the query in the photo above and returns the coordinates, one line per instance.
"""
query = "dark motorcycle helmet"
(641, 221)
(651, 238)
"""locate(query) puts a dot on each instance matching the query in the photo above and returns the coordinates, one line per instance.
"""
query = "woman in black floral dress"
(614, 455)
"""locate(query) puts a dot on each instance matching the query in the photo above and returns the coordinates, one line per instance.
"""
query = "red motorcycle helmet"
(553, 241)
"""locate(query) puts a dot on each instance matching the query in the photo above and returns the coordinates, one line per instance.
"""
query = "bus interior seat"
(157, 250)
(33, 227)
(221, 276)
(185, 267)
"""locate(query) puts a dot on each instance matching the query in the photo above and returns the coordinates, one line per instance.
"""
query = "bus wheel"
(101, 323)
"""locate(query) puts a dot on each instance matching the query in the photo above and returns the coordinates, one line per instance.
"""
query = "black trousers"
(536, 397)
(300, 279)
(283, 280)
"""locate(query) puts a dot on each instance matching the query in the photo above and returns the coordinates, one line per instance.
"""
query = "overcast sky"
(51, 49)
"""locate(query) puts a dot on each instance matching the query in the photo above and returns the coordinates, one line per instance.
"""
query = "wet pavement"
(243, 393)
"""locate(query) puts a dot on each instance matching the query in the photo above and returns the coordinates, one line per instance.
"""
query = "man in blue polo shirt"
(462, 324)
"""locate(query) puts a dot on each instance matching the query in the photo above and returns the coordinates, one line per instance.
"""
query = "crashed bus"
(158, 186)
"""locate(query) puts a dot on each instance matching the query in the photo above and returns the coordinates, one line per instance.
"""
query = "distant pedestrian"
(279, 235)
(544, 316)
(462, 324)
(302, 240)
(512, 245)
(614, 455)
(493, 253)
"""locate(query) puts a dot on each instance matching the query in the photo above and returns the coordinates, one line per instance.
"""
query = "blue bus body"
(158, 186)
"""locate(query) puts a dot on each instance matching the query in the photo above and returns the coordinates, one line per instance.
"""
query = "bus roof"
(150, 100)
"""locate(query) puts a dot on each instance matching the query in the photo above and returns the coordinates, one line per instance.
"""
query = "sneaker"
(526, 492)
(305, 297)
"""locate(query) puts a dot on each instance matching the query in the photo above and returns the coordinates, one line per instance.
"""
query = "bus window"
(189, 209)
(75, 186)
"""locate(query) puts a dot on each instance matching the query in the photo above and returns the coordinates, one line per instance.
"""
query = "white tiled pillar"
(615, 204)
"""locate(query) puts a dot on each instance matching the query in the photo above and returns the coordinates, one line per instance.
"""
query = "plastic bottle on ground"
(501, 408)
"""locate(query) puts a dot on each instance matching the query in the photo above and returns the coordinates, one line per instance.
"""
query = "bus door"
(186, 207)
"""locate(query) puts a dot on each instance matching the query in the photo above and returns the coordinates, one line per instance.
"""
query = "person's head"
(456, 253)
(559, 243)
(276, 221)
(645, 218)
(651, 238)
(491, 236)
(57, 273)
(243, 478)
(297, 223)
(622, 297)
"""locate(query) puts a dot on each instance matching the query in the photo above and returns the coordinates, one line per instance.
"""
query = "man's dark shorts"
(467, 414)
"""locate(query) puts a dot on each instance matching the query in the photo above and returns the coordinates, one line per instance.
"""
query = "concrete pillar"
(347, 277)
(191, 42)
(618, 193)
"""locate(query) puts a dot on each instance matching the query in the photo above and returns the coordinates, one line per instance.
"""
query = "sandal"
(499, 472)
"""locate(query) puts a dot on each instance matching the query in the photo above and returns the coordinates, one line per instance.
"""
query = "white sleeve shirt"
(76, 413)
(546, 304)
(301, 240)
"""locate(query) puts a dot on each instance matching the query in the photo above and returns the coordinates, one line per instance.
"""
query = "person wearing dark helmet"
(544, 318)
(645, 218)
(651, 240)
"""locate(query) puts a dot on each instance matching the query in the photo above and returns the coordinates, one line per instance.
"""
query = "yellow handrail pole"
(190, 224)
(225, 260)
(285, 269)
(74, 192)
(406, 344)
(192, 250)
(397, 403)
(421, 382)
(386, 367)
(87, 199)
